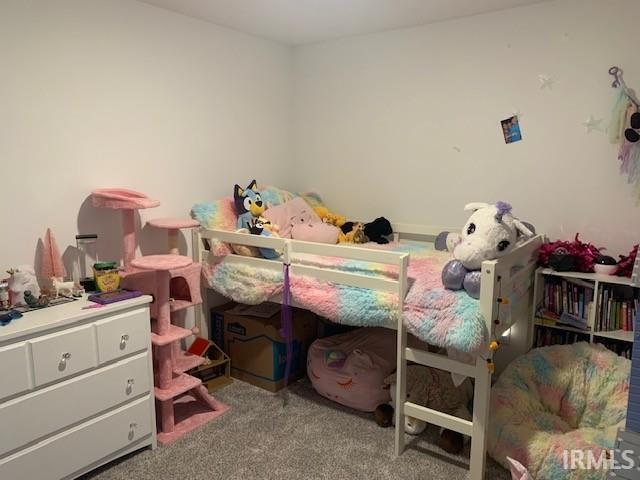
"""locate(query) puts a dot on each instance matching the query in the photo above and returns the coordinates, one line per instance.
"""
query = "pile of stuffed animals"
(491, 232)
(318, 224)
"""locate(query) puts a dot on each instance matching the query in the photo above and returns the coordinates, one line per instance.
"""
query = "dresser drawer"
(123, 334)
(64, 353)
(88, 443)
(51, 409)
(14, 361)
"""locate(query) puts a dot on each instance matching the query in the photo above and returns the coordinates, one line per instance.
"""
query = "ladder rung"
(439, 361)
(441, 419)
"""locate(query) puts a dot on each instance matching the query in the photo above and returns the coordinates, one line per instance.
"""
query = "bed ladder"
(479, 372)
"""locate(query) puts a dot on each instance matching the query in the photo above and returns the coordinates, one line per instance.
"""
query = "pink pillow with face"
(294, 212)
(315, 232)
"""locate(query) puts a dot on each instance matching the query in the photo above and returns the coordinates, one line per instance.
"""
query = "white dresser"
(75, 389)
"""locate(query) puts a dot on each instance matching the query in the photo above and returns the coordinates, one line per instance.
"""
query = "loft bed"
(506, 285)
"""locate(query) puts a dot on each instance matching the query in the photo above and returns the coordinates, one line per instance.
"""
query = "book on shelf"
(545, 336)
(624, 349)
(567, 301)
(616, 308)
(546, 317)
(549, 336)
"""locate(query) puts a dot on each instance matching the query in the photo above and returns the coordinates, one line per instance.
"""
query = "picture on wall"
(511, 129)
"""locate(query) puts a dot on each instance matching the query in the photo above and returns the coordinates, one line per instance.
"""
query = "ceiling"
(296, 22)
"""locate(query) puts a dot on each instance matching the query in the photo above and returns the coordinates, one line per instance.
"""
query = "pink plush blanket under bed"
(438, 316)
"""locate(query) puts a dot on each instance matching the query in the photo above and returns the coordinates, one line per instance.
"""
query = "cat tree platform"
(173, 227)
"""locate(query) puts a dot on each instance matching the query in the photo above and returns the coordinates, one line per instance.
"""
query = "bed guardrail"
(292, 249)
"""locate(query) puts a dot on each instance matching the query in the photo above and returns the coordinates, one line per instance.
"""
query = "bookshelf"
(574, 306)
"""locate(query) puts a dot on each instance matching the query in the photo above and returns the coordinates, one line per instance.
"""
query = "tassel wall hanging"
(624, 130)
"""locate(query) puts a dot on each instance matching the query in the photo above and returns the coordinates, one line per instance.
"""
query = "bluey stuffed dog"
(248, 203)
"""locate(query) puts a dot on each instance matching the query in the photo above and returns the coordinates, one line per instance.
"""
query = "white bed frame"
(501, 279)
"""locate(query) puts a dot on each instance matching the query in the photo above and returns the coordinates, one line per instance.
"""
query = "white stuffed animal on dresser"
(21, 279)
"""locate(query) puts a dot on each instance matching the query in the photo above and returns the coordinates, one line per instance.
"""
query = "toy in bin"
(106, 276)
(215, 368)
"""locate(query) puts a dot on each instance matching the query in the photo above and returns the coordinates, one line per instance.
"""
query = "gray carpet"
(299, 435)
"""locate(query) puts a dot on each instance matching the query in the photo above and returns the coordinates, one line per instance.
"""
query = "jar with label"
(107, 276)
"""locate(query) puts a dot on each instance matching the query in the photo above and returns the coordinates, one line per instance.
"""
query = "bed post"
(482, 389)
(201, 311)
(482, 394)
(401, 368)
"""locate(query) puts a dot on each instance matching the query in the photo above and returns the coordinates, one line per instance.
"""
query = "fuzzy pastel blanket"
(438, 316)
(555, 399)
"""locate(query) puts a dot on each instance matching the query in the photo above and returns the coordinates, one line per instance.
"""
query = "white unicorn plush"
(21, 279)
(491, 232)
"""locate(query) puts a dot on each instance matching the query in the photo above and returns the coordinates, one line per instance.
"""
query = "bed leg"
(401, 387)
(201, 312)
(482, 394)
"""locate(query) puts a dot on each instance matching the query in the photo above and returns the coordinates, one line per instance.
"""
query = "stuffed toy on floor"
(490, 232)
(434, 389)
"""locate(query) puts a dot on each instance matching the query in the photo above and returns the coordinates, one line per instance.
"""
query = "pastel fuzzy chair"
(557, 398)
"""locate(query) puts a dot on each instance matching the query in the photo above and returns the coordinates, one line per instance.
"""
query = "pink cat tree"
(182, 402)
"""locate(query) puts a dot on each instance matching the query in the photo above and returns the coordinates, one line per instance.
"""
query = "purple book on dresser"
(112, 297)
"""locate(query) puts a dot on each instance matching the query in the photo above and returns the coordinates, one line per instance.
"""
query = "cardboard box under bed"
(258, 352)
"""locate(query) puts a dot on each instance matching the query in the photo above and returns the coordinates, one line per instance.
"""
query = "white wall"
(100, 93)
(377, 118)
(118, 93)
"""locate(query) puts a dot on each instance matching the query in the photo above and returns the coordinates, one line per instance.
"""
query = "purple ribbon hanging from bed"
(286, 321)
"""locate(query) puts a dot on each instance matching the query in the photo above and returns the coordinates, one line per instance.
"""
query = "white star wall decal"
(593, 123)
(546, 82)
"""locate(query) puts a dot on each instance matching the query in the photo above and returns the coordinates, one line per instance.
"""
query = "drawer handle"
(130, 383)
(123, 341)
(132, 430)
(63, 360)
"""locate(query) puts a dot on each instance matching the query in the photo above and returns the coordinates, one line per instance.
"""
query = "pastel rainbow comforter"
(438, 316)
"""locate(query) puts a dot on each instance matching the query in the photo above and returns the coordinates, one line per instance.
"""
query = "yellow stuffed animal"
(328, 217)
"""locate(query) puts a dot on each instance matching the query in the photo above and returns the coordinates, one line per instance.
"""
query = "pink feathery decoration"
(51, 261)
